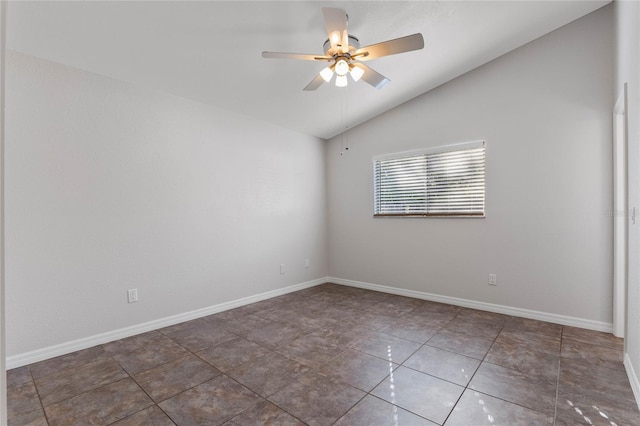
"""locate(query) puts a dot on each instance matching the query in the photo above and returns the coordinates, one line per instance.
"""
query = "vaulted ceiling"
(210, 51)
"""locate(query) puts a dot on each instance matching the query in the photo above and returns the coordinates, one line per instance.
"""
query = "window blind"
(448, 181)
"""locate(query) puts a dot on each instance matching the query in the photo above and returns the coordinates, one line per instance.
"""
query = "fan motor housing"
(354, 44)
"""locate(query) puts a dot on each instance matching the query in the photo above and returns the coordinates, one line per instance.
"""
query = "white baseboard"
(501, 309)
(87, 342)
(634, 380)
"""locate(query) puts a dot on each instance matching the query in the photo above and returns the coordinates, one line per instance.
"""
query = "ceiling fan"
(344, 55)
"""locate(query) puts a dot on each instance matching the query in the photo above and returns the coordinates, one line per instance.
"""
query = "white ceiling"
(210, 51)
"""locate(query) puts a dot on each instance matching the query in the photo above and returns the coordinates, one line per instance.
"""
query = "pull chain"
(344, 137)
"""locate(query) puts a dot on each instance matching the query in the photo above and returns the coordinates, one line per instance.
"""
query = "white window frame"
(421, 209)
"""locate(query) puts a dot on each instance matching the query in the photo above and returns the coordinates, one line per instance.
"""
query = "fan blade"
(372, 77)
(336, 22)
(301, 56)
(315, 83)
(390, 47)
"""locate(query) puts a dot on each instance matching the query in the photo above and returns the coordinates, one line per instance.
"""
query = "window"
(444, 181)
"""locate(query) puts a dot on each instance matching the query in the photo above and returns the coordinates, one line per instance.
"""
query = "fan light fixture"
(344, 55)
(327, 74)
(356, 72)
(341, 68)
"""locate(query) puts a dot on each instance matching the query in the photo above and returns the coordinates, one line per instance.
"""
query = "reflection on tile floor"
(335, 355)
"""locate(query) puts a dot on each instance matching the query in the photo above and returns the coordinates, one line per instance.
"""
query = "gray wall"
(110, 186)
(627, 18)
(545, 112)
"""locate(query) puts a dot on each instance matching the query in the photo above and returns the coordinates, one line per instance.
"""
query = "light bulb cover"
(327, 74)
(341, 81)
(342, 67)
(356, 73)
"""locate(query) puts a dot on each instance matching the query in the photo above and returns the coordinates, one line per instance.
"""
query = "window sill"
(434, 215)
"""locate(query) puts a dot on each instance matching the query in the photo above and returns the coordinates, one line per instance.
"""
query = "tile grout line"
(555, 408)
(195, 354)
(264, 398)
(473, 375)
(46, 418)
(222, 373)
(422, 345)
(317, 369)
(157, 404)
(146, 393)
(73, 396)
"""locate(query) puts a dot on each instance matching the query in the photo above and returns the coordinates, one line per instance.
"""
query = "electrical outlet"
(493, 279)
(282, 269)
(132, 295)
(306, 263)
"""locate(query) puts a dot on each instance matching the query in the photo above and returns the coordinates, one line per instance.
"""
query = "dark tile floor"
(336, 355)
